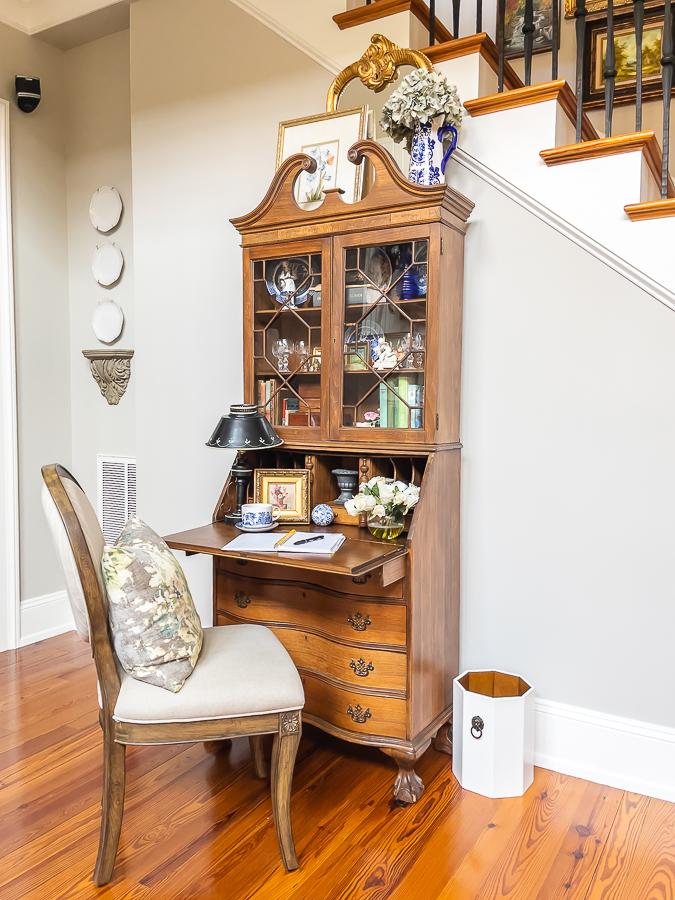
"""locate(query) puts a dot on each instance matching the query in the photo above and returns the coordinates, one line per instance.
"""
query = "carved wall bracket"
(111, 370)
(377, 68)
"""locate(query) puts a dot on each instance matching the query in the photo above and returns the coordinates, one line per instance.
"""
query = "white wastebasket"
(493, 733)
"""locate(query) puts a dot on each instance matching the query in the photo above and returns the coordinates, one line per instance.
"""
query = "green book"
(401, 408)
(384, 404)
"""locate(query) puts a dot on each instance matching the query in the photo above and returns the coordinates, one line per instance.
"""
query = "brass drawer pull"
(359, 714)
(361, 668)
(241, 599)
(358, 623)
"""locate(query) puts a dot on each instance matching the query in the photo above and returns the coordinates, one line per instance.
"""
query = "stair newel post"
(639, 19)
(667, 61)
(580, 13)
(432, 23)
(455, 18)
(501, 15)
(528, 40)
(609, 72)
(556, 40)
(479, 16)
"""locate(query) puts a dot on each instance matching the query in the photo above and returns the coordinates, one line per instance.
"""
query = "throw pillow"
(156, 629)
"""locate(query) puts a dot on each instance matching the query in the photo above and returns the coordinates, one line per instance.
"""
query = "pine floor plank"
(198, 823)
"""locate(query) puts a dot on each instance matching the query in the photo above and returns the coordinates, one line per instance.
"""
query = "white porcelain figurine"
(386, 358)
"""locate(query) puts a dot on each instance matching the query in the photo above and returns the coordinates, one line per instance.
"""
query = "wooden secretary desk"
(374, 629)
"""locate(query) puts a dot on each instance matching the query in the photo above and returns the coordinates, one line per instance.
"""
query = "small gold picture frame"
(357, 357)
(286, 488)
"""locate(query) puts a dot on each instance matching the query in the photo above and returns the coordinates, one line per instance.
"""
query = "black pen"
(308, 540)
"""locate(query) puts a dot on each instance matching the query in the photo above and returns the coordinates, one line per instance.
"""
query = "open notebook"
(262, 543)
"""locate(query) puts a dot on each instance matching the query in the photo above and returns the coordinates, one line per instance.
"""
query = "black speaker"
(27, 93)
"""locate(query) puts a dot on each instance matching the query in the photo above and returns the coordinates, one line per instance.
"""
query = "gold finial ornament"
(377, 68)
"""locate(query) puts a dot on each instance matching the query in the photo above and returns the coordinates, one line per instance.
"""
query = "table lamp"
(244, 429)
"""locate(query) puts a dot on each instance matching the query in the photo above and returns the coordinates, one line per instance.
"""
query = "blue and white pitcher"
(427, 160)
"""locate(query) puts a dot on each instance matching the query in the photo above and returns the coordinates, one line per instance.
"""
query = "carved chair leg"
(283, 759)
(256, 742)
(408, 787)
(443, 740)
(112, 806)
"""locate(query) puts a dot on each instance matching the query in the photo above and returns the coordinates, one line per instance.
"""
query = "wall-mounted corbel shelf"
(111, 370)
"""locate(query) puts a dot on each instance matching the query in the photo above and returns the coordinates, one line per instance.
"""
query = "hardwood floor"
(198, 823)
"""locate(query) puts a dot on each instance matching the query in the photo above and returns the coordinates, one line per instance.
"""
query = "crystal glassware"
(302, 353)
(282, 349)
(403, 352)
(418, 347)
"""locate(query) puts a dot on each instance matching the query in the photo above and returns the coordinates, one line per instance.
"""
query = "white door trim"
(10, 473)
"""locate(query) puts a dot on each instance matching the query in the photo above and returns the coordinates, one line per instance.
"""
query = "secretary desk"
(373, 629)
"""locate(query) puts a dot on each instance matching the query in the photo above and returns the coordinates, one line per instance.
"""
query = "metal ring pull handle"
(477, 725)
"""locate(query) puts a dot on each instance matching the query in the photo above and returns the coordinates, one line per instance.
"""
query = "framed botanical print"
(514, 19)
(326, 138)
(286, 488)
(625, 55)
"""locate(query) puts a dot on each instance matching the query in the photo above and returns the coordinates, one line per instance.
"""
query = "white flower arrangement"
(420, 97)
(383, 497)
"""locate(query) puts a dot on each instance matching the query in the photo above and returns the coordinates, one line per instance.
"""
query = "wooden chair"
(244, 683)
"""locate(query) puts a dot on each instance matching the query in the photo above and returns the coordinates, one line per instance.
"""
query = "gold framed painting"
(625, 55)
(286, 488)
(357, 358)
(600, 6)
(327, 138)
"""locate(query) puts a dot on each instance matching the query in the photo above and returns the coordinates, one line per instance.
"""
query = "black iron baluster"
(528, 40)
(455, 18)
(639, 19)
(667, 61)
(556, 40)
(432, 22)
(609, 72)
(501, 14)
(580, 17)
(479, 16)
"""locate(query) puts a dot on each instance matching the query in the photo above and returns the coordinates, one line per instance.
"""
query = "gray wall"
(41, 289)
(209, 86)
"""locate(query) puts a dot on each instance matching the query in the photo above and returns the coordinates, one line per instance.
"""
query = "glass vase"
(386, 527)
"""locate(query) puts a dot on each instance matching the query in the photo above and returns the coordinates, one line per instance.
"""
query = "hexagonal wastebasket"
(493, 733)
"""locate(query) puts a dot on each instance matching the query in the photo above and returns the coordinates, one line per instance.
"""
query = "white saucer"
(261, 528)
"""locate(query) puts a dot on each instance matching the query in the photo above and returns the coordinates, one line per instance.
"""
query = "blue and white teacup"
(259, 515)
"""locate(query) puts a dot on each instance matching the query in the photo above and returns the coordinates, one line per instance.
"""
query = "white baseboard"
(44, 617)
(622, 753)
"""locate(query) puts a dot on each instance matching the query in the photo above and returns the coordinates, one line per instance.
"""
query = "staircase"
(603, 193)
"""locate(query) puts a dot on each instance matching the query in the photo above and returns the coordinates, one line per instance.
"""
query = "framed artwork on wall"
(326, 138)
(626, 55)
(514, 19)
(286, 488)
(600, 6)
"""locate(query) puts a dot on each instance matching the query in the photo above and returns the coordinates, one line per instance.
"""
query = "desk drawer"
(347, 618)
(369, 714)
(341, 585)
(357, 666)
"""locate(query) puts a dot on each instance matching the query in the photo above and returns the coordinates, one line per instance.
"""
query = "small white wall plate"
(107, 263)
(107, 321)
(105, 209)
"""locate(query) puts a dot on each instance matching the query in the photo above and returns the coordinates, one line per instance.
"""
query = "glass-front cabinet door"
(287, 323)
(383, 285)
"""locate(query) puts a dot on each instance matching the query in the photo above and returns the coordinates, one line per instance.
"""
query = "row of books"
(393, 411)
(283, 407)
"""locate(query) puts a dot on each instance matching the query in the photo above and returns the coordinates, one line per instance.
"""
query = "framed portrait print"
(625, 56)
(514, 19)
(286, 488)
(326, 138)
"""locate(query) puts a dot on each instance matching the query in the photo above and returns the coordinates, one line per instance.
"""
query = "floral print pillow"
(156, 629)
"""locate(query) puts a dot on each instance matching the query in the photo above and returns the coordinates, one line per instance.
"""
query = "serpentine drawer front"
(347, 618)
(353, 711)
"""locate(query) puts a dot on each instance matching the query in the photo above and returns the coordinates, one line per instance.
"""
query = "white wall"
(209, 86)
(568, 486)
(98, 153)
(41, 290)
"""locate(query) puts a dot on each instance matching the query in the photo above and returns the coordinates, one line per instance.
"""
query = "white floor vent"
(116, 493)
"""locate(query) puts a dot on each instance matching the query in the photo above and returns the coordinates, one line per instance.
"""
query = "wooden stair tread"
(380, 9)
(536, 93)
(476, 43)
(644, 141)
(655, 209)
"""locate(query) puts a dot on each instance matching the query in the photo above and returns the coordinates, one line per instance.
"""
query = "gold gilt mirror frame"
(377, 68)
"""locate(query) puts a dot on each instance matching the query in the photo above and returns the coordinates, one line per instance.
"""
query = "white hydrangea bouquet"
(421, 97)
(386, 502)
